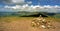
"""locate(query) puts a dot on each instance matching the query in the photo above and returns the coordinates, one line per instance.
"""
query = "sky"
(30, 2)
(4, 3)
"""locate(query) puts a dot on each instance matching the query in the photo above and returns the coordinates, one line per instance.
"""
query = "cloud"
(37, 8)
(18, 1)
(29, 2)
(14, 1)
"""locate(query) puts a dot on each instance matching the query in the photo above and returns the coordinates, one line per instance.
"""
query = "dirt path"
(24, 25)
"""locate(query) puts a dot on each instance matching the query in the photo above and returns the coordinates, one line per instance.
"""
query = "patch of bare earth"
(24, 25)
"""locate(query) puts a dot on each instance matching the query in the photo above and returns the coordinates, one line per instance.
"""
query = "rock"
(41, 22)
(43, 26)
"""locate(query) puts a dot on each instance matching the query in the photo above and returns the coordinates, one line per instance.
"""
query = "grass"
(11, 19)
(57, 16)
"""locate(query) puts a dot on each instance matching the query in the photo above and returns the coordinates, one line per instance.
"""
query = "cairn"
(41, 22)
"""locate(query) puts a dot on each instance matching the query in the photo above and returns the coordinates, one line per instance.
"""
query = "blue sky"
(45, 2)
(34, 2)
(4, 3)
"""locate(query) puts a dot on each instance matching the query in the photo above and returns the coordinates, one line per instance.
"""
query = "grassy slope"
(10, 19)
(57, 16)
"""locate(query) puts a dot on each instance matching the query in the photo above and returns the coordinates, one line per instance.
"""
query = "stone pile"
(41, 22)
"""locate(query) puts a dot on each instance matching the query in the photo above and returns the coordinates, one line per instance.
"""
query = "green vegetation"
(57, 16)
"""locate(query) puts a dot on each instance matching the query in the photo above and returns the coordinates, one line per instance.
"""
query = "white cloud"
(34, 8)
(29, 2)
(18, 1)
(14, 1)
(13, 7)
